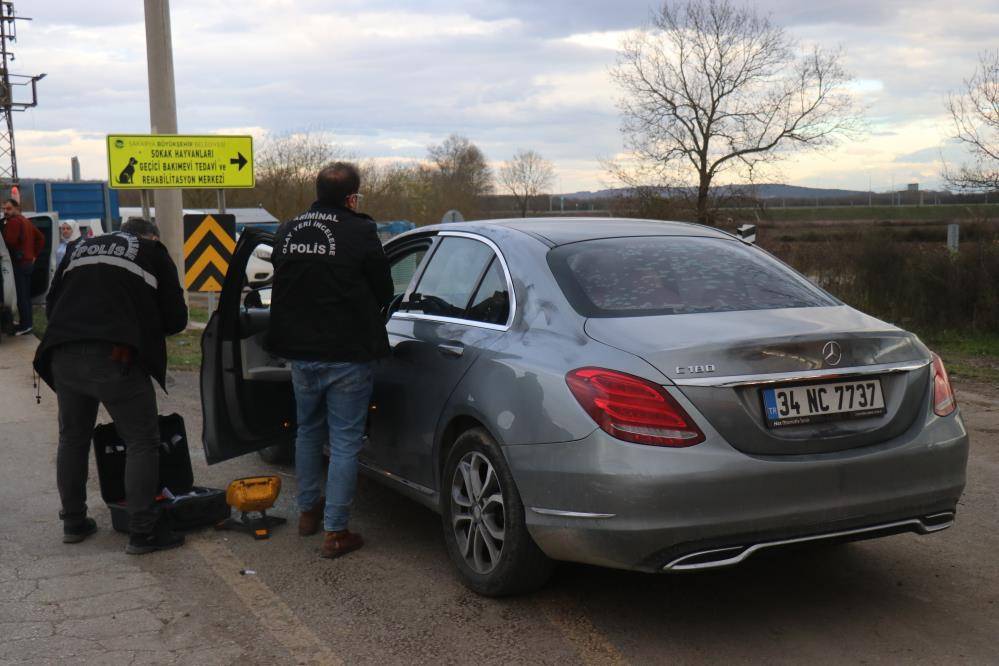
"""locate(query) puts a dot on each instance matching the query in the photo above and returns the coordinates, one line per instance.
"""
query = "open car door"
(246, 393)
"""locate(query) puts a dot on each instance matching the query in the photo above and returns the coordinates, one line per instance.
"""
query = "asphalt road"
(904, 599)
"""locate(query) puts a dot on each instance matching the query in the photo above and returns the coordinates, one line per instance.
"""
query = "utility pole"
(8, 33)
(163, 120)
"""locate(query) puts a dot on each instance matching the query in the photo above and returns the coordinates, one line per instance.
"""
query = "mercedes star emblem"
(832, 353)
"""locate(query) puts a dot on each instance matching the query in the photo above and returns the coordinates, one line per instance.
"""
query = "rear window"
(628, 277)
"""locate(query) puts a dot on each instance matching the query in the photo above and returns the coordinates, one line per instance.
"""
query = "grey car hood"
(756, 341)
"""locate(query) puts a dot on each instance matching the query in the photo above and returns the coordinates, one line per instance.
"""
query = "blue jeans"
(22, 284)
(332, 406)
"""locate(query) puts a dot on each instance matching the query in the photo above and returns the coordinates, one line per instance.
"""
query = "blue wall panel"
(77, 200)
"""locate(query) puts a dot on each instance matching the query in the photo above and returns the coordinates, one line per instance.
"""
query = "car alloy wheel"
(484, 521)
(477, 512)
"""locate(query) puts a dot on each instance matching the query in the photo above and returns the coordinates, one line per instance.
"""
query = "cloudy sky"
(387, 77)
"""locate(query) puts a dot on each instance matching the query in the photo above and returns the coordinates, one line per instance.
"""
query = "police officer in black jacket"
(331, 282)
(113, 301)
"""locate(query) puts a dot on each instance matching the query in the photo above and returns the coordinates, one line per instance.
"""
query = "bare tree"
(976, 121)
(525, 176)
(460, 174)
(710, 86)
(286, 168)
(398, 191)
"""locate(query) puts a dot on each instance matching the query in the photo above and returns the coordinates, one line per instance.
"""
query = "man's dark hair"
(14, 202)
(140, 226)
(337, 182)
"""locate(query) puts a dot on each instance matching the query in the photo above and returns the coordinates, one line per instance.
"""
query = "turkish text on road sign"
(153, 161)
(208, 244)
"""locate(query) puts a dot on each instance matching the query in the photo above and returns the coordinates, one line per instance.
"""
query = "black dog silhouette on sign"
(126, 175)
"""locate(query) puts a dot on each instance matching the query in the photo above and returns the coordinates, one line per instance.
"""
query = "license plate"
(814, 403)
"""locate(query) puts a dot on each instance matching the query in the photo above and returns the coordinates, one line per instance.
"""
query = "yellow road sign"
(208, 244)
(155, 161)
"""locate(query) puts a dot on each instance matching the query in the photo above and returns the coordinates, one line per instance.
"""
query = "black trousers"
(22, 286)
(85, 377)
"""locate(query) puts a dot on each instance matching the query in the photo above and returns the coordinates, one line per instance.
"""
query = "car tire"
(279, 454)
(483, 520)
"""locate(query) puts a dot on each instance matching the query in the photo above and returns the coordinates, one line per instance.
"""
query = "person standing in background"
(69, 231)
(24, 242)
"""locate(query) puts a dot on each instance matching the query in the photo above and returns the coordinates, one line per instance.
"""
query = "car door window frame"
(399, 314)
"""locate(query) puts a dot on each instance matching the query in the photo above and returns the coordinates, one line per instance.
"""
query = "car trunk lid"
(722, 361)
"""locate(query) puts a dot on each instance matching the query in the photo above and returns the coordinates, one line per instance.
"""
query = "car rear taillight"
(944, 402)
(632, 408)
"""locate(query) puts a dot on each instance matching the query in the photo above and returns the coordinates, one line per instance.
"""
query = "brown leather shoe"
(310, 521)
(340, 543)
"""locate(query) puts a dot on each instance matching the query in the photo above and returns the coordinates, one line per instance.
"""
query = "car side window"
(403, 267)
(450, 278)
(491, 302)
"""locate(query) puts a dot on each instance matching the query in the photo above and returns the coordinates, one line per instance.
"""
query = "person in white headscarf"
(69, 231)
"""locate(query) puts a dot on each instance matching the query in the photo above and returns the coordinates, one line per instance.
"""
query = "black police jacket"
(115, 288)
(331, 281)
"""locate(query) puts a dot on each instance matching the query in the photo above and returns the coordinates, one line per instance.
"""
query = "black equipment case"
(192, 506)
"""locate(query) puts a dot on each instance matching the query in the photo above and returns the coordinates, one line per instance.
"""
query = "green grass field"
(967, 356)
(184, 350)
(198, 314)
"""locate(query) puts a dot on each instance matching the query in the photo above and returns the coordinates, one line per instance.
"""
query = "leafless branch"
(712, 86)
(975, 112)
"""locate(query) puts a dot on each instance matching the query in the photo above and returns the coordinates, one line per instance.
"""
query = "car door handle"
(451, 350)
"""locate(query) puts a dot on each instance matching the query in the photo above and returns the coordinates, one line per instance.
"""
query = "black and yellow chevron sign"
(208, 244)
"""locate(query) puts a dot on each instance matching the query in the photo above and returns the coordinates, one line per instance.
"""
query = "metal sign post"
(144, 196)
(953, 236)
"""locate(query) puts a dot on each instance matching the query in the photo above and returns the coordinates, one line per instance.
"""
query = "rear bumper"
(606, 502)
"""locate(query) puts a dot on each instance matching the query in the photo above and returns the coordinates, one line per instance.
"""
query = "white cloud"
(387, 77)
(609, 40)
(48, 153)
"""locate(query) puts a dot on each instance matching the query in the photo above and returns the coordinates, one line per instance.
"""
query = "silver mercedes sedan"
(653, 396)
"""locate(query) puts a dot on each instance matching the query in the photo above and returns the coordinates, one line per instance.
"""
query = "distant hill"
(762, 191)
